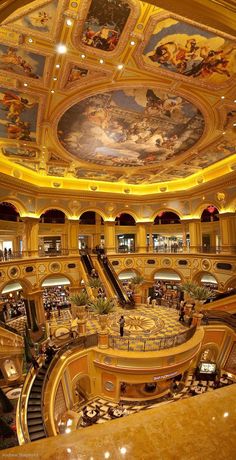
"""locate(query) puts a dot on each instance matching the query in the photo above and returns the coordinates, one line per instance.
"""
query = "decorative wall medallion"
(55, 267)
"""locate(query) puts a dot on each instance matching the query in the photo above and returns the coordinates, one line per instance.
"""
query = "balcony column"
(227, 231)
(141, 243)
(73, 236)
(30, 236)
(195, 234)
(110, 237)
(97, 234)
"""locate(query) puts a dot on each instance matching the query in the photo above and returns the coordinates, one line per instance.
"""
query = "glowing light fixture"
(61, 49)
(30, 40)
(25, 84)
(222, 97)
(132, 42)
(52, 91)
(120, 66)
(57, 66)
(69, 22)
(101, 61)
(83, 56)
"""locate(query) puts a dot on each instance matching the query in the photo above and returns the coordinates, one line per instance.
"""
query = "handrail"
(113, 279)
(9, 328)
(219, 316)
(150, 344)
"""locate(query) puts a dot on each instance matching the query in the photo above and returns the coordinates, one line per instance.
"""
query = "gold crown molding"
(138, 54)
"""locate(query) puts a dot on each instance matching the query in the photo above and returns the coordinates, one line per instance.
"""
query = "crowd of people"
(55, 298)
(14, 306)
(5, 254)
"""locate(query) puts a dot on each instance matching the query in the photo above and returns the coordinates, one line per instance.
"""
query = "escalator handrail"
(116, 284)
(9, 328)
(221, 317)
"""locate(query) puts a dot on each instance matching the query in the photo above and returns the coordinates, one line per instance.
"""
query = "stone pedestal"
(197, 318)
(82, 327)
(103, 339)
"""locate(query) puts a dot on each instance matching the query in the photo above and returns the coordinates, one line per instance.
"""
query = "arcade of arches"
(118, 173)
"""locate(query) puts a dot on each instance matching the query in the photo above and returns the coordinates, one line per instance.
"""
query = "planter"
(197, 318)
(103, 339)
(137, 298)
(103, 322)
(188, 308)
(78, 311)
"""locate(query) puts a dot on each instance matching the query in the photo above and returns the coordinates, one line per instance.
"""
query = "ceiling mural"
(21, 152)
(104, 23)
(190, 51)
(21, 62)
(133, 127)
(156, 96)
(38, 19)
(18, 115)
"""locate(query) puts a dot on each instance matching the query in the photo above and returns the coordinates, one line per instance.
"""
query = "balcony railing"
(138, 250)
(150, 344)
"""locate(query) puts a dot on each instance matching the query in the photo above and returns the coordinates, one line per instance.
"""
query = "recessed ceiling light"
(82, 56)
(120, 66)
(69, 22)
(101, 61)
(52, 91)
(235, 100)
(25, 84)
(222, 97)
(234, 124)
(132, 42)
(61, 49)
(57, 66)
(223, 132)
(55, 78)
(30, 40)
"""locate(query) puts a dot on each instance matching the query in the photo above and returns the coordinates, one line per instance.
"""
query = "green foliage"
(136, 282)
(188, 287)
(200, 292)
(79, 299)
(101, 306)
(95, 283)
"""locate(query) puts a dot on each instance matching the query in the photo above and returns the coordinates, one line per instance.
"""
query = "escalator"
(87, 263)
(34, 409)
(112, 277)
(217, 316)
(221, 295)
(9, 328)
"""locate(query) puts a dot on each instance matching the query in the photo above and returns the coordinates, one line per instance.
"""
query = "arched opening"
(210, 214)
(12, 302)
(166, 218)
(165, 287)
(92, 238)
(169, 238)
(52, 216)
(56, 295)
(82, 389)
(9, 212)
(206, 279)
(125, 242)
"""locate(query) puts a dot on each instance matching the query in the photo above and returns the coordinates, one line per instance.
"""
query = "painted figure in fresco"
(12, 61)
(14, 105)
(192, 58)
(104, 23)
(41, 19)
(77, 73)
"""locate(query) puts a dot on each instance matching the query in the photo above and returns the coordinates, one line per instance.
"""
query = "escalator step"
(35, 421)
(39, 435)
(35, 394)
(33, 415)
(34, 408)
(36, 428)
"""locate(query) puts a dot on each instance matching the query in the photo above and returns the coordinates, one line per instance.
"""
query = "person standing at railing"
(122, 324)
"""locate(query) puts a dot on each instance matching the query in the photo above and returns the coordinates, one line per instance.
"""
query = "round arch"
(126, 211)
(231, 283)
(20, 208)
(209, 352)
(57, 276)
(129, 272)
(98, 211)
(56, 207)
(81, 385)
(23, 284)
(167, 274)
(205, 277)
(197, 212)
(175, 211)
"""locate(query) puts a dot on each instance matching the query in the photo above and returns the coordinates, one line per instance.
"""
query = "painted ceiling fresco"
(133, 127)
(18, 115)
(156, 93)
(21, 62)
(190, 51)
(104, 24)
(39, 19)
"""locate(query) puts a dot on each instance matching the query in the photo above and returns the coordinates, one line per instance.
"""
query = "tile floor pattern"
(132, 407)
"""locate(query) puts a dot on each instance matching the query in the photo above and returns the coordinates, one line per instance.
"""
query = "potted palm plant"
(95, 284)
(199, 294)
(79, 301)
(136, 283)
(188, 287)
(102, 307)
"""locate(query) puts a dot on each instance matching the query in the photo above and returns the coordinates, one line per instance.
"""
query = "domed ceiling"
(139, 96)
